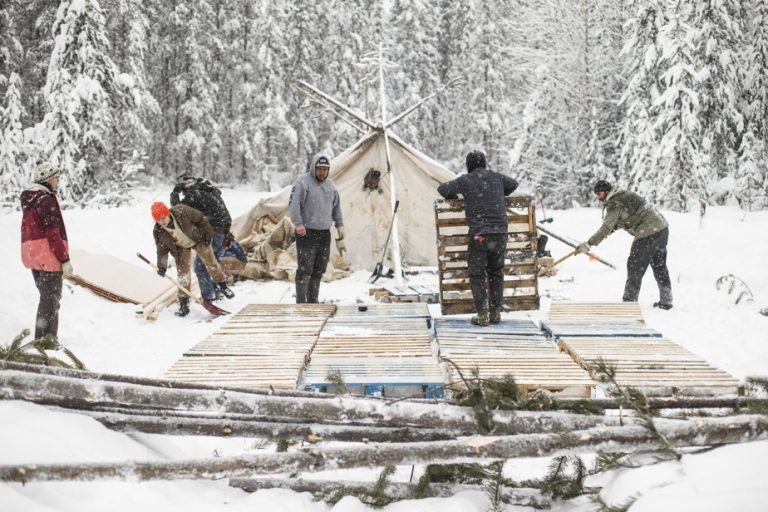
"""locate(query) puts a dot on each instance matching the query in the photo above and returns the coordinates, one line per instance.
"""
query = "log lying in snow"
(324, 490)
(699, 432)
(179, 425)
(91, 395)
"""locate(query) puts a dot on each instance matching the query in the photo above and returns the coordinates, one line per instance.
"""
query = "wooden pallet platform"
(654, 365)
(295, 310)
(386, 310)
(521, 288)
(412, 345)
(507, 327)
(237, 371)
(263, 345)
(596, 311)
(517, 348)
(557, 329)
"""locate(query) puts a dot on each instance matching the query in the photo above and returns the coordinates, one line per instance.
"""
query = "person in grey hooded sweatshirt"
(314, 206)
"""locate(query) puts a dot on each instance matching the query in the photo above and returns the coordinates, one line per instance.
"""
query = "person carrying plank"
(626, 210)
(485, 207)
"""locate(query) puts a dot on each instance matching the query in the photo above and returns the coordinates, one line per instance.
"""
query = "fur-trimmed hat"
(475, 159)
(603, 186)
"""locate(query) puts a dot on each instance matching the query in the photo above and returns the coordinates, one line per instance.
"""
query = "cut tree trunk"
(699, 432)
(89, 395)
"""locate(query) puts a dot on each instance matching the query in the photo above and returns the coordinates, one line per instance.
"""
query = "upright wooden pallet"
(521, 285)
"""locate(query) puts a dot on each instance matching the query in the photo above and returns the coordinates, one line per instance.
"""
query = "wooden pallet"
(596, 311)
(385, 310)
(654, 365)
(521, 287)
(557, 329)
(263, 345)
(516, 348)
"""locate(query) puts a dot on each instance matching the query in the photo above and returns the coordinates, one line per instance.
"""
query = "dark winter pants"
(208, 288)
(312, 252)
(49, 286)
(486, 264)
(651, 250)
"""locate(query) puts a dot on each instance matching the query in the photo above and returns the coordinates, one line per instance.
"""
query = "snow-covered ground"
(109, 338)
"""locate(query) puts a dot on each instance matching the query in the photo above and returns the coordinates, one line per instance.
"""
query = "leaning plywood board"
(117, 279)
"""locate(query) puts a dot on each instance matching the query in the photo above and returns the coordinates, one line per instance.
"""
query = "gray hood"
(315, 158)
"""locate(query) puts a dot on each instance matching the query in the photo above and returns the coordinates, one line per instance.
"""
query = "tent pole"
(393, 196)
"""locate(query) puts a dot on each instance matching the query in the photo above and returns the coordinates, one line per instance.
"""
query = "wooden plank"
(591, 311)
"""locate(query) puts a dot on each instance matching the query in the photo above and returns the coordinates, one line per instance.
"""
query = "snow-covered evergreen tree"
(751, 173)
(12, 157)
(755, 72)
(683, 179)
(642, 52)
(717, 39)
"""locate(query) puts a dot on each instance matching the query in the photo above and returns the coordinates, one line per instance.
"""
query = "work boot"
(662, 305)
(302, 288)
(481, 318)
(183, 307)
(313, 293)
(494, 316)
(225, 290)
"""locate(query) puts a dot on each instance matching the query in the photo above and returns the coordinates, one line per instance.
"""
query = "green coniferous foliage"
(565, 479)
(34, 352)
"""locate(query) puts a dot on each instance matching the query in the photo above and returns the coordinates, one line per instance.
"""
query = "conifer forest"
(666, 97)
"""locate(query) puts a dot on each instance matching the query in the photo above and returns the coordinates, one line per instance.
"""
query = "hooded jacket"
(44, 244)
(484, 204)
(315, 204)
(628, 211)
(203, 196)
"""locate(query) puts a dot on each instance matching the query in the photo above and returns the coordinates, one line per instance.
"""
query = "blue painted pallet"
(435, 390)
(556, 329)
(514, 327)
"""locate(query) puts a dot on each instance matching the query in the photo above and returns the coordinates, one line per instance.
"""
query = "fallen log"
(84, 394)
(324, 490)
(699, 432)
(174, 424)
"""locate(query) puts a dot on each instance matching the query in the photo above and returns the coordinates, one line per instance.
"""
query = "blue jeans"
(208, 288)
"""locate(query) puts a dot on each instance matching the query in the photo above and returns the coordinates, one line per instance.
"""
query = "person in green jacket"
(628, 211)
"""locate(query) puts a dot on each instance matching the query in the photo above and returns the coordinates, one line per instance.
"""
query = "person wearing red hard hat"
(177, 231)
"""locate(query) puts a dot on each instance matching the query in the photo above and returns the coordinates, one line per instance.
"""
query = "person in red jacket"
(44, 246)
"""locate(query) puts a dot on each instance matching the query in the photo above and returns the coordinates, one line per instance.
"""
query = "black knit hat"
(475, 159)
(602, 186)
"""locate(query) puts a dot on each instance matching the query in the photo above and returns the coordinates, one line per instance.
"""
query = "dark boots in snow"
(662, 305)
(481, 318)
(302, 290)
(183, 307)
(494, 315)
(225, 290)
(313, 293)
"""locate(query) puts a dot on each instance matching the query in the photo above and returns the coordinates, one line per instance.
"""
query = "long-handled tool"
(556, 262)
(543, 210)
(378, 270)
(212, 309)
(574, 245)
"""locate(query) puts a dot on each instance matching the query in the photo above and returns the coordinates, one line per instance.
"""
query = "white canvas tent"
(367, 214)
(407, 176)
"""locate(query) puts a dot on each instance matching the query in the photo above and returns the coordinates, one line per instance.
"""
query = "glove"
(341, 246)
(228, 239)
(340, 230)
(161, 272)
(582, 248)
(66, 267)
(301, 230)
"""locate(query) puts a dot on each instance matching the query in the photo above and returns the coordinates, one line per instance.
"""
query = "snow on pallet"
(384, 350)
(516, 348)
(658, 366)
(264, 345)
(521, 285)
(557, 329)
(596, 311)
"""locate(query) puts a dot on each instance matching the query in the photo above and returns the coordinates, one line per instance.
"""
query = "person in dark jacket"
(177, 231)
(201, 195)
(626, 210)
(44, 246)
(313, 207)
(486, 211)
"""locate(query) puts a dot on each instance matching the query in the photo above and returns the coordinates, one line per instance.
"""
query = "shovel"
(378, 270)
(556, 262)
(212, 309)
